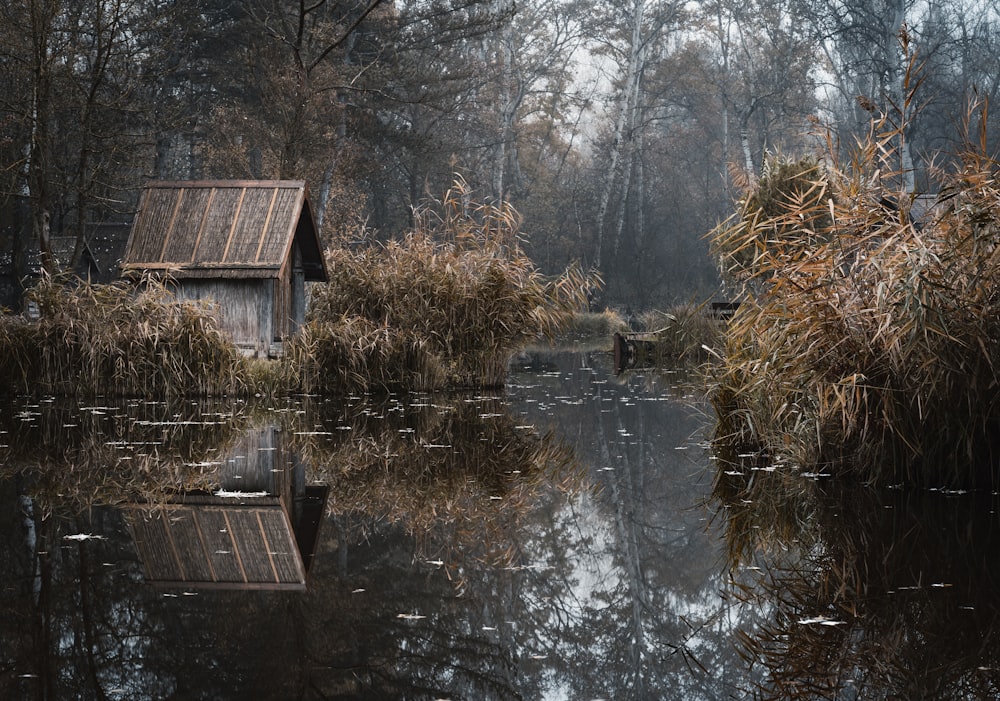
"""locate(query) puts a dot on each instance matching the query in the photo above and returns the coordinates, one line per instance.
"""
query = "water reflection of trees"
(425, 494)
(629, 607)
(863, 593)
(71, 456)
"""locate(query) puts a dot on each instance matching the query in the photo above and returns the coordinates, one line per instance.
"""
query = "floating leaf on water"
(226, 494)
(821, 620)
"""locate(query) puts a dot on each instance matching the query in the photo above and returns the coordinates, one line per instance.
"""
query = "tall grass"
(117, 340)
(445, 306)
(867, 337)
(460, 474)
(684, 332)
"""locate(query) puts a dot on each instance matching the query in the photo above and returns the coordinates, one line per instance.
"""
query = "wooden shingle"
(224, 228)
(248, 246)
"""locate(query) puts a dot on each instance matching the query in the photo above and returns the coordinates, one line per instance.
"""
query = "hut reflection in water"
(257, 530)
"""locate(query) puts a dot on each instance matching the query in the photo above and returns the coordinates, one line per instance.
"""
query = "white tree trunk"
(624, 123)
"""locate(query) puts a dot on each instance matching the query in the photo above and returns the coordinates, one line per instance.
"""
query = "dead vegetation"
(445, 307)
(866, 341)
(116, 339)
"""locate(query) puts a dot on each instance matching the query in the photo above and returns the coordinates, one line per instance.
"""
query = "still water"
(571, 538)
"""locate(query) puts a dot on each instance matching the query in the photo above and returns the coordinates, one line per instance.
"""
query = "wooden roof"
(245, 546)
(224, 228)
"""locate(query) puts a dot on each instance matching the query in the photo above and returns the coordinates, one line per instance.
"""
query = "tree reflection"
(863, 593)
(629, 608)
(464, 554)
(402, 602)
(459, 474)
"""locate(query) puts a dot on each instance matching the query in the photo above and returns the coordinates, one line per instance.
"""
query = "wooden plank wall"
(246, 307)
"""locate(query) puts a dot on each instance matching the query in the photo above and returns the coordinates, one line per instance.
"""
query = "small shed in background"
(249, 246)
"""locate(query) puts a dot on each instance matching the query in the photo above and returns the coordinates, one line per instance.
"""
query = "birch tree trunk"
(628, 100)
(898, 44)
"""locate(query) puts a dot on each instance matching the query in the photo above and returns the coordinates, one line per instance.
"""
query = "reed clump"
(118, 340)
(444, 307)
(867, 336)
(684, 332)
(594, 325)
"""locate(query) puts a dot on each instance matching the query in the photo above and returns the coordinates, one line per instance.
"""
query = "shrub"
(445, 306)
(114, 339)
(867, 338)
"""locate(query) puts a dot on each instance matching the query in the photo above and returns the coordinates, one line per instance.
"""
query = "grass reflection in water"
(861, 592)
(459, 465)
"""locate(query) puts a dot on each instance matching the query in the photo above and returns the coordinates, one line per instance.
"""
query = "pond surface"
(571, 538)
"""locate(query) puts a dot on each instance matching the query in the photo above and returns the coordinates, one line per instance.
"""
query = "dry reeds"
(116, 340)
(75, 457)
(442, 308)
(685, 332)
(460, 474)
(868, 334)
(593, 325)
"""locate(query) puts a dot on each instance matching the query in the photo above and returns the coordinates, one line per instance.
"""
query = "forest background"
(616, 129)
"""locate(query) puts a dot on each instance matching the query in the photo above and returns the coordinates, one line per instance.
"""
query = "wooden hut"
(258, 530)
(248, 246)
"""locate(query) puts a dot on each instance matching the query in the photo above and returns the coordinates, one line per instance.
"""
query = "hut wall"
(289, 298)
(298, 291)
(246, 307)
(282, 307)
(257, 462)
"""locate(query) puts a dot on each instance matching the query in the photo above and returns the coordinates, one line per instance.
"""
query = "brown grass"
(867, 338)
(116, 340)
(444, 307)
